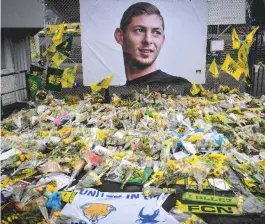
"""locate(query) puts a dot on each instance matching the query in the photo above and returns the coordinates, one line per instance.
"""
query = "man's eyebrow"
(139, 26)
(157, 28)
(153, 28)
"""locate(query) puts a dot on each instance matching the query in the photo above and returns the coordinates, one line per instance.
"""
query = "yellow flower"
(40, 189)
(18, 163)
(68, 140)
(155, 115)
(219, 171)
(249, 182)
(131, 159)
(158, 176)
(22, 158)
(65, 132)
(98, 182)
(191, 160)
(50, 188)
(185, 170)
(43, 134)
(219, 117)
(146, 192)
(195, 137)
(57, 213)
(119, 155)
(101, 135)
(173, 165)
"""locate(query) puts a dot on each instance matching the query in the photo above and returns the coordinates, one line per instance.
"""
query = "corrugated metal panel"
(17, 81)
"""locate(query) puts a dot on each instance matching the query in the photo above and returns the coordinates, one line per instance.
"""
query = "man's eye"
(139, 30)
(157, 33)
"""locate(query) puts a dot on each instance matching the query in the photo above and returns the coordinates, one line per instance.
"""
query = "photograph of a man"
(141, 36)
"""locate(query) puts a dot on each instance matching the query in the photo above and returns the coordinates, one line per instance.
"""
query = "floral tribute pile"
(211, 141)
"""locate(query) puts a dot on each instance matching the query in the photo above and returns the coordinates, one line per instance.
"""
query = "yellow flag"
(68, 77)
(106, 82)
(194, 89)
(235, 39)
(95, 87)
(34, 54)
(213, 69)
(244, 66)
(231, 67)
(242, 54)
(102, 84)
(58, 37)
(51, 48)
(58, 59)
(250, 36)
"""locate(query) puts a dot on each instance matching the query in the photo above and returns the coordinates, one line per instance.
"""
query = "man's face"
(143, 40)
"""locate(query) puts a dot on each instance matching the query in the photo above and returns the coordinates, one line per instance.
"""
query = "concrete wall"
(21, 14)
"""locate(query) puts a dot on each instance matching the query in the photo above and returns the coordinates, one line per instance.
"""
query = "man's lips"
(145, 52)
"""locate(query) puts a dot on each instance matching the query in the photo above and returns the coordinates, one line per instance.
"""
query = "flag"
(58, 37)
(34, 54)
(250, 36)
(93, 206)
(231, 67)
(65, 46)
(57, 59)
(51, 29)
(68, 77)
(244, 66)
(242, 56)
(34, 83)
(102, 84)
(235, 39)
(51, 48)
(36, 70)
(194, 89)
(213, 69)
(53, 81)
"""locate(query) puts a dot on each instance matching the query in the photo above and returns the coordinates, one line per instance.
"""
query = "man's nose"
(148, 38)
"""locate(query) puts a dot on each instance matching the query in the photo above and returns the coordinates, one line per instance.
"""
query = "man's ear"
(118, 36)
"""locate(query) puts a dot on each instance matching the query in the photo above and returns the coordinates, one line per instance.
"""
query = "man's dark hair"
(140, 8)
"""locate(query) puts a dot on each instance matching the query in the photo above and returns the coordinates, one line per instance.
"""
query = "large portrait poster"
(174, 41)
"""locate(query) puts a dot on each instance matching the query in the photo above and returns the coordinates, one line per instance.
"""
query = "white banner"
(93, 206)
(183, 52)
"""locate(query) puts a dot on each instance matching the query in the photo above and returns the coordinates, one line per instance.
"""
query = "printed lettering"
(118, 196)
(193, 207)
(134, 196)
(83, 192)
(204, 208)
(225, 210)
(128, 196)
(92, 193)
(109, 196)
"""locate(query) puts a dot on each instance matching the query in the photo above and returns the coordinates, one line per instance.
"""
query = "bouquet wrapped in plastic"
(199, 171)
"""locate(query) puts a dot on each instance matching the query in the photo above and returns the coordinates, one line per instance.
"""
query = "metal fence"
(257, 61)
(68, 11)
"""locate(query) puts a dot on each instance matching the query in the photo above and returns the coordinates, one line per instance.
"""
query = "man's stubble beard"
(132, 63)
